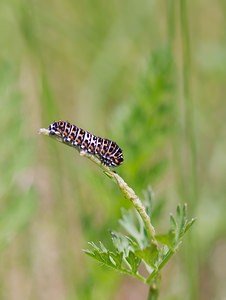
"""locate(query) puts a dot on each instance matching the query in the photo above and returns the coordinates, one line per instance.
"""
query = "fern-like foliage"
(133, 249)
(179, 225)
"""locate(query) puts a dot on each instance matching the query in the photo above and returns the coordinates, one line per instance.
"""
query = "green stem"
(154, 288)
(189, 107)
(153, 279)
(153, 292)
(171, 22)
(162, 264)
(192, 194)
(129, 193)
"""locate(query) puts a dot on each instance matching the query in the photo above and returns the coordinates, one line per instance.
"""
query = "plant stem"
(191, 249)
(164, 261)
(153, 292)
(154, 288)
(127, 191)
(189, 106)
(153, 279)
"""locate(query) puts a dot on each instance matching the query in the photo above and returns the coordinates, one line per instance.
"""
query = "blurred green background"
(148, 74)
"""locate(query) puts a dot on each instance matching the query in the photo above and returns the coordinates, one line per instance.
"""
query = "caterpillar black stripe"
(109, 153)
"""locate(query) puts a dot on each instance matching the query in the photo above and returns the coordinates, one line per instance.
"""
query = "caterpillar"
(107, 151)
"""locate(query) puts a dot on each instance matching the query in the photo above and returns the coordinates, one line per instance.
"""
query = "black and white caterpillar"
(109, 153)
